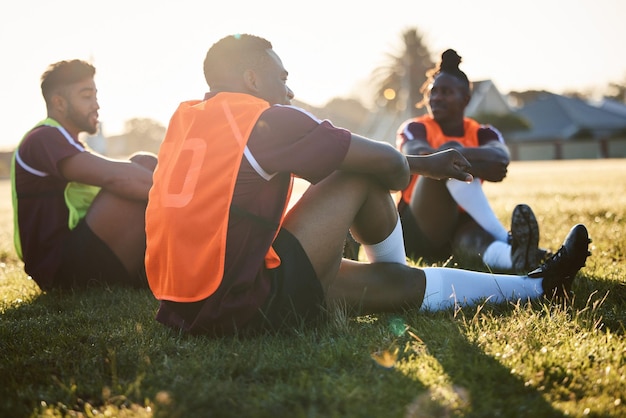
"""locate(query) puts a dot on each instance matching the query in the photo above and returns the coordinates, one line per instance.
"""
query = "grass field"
(100, 352)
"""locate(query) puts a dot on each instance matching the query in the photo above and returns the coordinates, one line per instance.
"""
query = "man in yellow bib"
(225, 256)
(78, 216)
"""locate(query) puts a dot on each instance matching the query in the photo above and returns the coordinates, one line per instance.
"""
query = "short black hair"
(234, 54)
(64, 73)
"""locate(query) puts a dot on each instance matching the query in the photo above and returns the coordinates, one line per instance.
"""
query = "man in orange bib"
(448, 217)
(224, 255)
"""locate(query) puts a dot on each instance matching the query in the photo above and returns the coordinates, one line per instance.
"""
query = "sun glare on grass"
(386, 358)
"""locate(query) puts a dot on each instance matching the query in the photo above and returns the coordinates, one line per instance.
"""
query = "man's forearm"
(488, 163)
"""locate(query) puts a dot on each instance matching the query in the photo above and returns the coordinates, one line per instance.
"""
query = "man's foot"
(559, 271)
(524, 238)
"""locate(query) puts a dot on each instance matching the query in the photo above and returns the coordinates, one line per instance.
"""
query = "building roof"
(486, 98)
(611, 106)
(553, 116)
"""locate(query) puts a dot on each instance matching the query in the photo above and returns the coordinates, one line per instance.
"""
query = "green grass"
(100, 352)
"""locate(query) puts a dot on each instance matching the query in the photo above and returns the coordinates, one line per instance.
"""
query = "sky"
(148, 53)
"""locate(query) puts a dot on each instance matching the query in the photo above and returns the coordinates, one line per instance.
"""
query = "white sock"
(390, 250)
(498, 255)
(446, 287)
(471, 197)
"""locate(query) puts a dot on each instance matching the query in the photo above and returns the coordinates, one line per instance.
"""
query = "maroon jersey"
(285, 141)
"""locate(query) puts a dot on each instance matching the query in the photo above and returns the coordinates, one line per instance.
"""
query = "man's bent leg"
(471, 241)
(120, 223)
(377, 287)
(446, 287)
(435, 211)
(321, 218)
(472, 198)
(417, 244)
(320, 221)
(87, 261)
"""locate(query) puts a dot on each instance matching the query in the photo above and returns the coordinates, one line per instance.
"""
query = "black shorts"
(297, 296)
(416, 244)
(86, 260)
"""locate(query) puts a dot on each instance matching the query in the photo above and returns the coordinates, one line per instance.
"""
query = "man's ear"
(250, 80)
(58, 102)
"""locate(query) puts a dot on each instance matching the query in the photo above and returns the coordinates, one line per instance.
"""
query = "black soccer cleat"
(524, 238)
(559, 271)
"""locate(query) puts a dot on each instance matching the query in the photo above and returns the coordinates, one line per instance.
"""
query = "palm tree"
(399, 82)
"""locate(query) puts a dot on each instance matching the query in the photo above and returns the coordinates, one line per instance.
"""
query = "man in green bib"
(78, 216)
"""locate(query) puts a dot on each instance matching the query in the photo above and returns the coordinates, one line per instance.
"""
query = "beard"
(82, 121)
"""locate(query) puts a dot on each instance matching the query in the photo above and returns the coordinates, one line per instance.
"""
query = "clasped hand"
(448, 163)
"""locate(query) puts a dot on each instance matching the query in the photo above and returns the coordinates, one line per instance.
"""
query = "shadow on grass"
(454, 376)
(484, 365)
(487, 387)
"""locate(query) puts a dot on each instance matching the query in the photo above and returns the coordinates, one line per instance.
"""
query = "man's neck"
(452, 128)
(69, 127)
